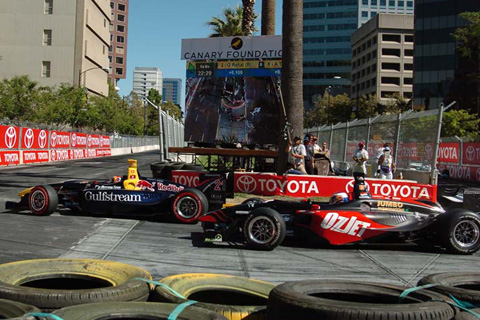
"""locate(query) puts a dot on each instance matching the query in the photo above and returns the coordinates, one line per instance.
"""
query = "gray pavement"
(165, 248)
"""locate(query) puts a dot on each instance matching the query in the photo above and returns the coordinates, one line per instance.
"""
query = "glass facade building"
(327, 27)
(172, 88)
(437, 63)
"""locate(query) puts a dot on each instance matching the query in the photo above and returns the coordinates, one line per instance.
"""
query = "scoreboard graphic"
(247, 68)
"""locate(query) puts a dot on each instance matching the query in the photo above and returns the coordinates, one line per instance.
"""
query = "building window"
(47, 37)
(110, 59)
(391, 52)
(112, 4)
(391, 3)
(121, 17)
(46, 69)
(408, 66)
(121, 7)
(374, 2)
(120, 39)
(408, 38)
(111, 37)
(391, 80)
(383, 3)
(388, 94)
(120, 28)
(120, 50)
(119, 60)
(391, 66)
(373, 13)
(104, 23)
(407, 95)
(48, 6)
(119, 71)
(401, 4)
(391, 37)
(364, 14)
(408, 53)
(407, 80)
(409, 4)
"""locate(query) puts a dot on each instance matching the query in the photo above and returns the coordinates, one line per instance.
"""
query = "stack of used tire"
(163, 169)
(86, 289)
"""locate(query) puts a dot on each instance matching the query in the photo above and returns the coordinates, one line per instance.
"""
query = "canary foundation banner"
(232, 89)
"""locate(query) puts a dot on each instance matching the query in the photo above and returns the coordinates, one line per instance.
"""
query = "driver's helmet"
(116, 179)
(339, 197)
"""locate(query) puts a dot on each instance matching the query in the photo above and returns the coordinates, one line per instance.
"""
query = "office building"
(327, 27)
(382, 57)
(438, 65)
(145, 79)
(118, 40)
(56, 42)
(172, 90)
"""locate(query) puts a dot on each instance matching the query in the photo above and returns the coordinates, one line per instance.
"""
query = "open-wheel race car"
(130, 194)
(345, 219)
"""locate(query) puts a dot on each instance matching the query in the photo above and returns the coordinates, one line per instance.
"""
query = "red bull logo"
(145, 185)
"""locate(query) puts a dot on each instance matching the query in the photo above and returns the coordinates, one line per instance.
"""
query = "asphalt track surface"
(165, 248)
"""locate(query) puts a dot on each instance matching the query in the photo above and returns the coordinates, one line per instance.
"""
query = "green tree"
(460, 123)
(151, 114)
(229, 25)
(329, 109)
(268, 17)
(17, 98)
(292, 73)
(172, 109)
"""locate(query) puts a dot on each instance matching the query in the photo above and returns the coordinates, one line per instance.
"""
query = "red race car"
(345, 219)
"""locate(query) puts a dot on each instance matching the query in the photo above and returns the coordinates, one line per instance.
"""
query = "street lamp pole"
(80, 72)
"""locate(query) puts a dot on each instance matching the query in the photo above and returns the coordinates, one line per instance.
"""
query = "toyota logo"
(10, 137)
(53, 139)
(478, 174)
(89, 140)
(428, 151)
(74, 140)
(42, 139)
(246, 184)
(470, 153)
(350, 184)
(54, 155)
(71, 154)
(28, 138)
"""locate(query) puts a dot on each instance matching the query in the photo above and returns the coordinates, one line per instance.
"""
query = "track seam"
(243, 263)
(119, 241)
(379, 264)
(425, 267)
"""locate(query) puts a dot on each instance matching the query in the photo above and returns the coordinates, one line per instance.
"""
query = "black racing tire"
(188, 205)
(158, 165)
(43, 200)
(346, 300)
(167, 171)
(264, 229)
(134, 310)
(193, 167)
(254, 200)
(12, 309)
(463, 286)
(467, 316)
(51, 284)
(460, 233)
(233, 297)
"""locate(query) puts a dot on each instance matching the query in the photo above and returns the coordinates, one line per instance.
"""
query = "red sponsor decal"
(471, 153)
(35, 156)
(319, 186)
(59, 139)
(60, 155)
(9, 137)
(9, 157)
(93, 141)
(79, 140)
(103, 152)
(34, 138)
(90, 153)
(78, 153)
(104, 141)
(467, 173)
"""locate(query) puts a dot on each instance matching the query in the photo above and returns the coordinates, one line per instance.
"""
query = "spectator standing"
(360, 156)
(316, 147)
(299, 153)
(310, 153)
(325, 149)
(386, 166)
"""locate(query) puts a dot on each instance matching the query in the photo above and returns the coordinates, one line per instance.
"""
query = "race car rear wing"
(217, 186)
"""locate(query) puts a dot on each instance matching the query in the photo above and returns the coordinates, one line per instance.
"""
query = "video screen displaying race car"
(357, 217)
(129, 194)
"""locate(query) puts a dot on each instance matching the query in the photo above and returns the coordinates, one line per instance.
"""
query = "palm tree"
(268, 17)
(230, 25)
(248, 21)
(292, 70)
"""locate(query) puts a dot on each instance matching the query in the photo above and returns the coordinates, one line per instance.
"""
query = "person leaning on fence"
(308, 160)
(298, 153)
(386, 165)
(360, 156)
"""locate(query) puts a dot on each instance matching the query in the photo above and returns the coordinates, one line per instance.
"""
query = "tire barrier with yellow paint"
(346, 300)
(51, 284)
(11, 309)
(234, 297)
(135, 310)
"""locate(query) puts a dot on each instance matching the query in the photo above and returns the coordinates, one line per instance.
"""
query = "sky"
(156, 29)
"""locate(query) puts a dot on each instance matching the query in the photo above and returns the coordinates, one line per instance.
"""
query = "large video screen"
(232, 105)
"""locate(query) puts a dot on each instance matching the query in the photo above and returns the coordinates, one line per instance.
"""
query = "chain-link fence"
(412, 135)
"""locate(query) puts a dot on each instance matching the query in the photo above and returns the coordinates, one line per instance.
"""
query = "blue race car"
(130, 194)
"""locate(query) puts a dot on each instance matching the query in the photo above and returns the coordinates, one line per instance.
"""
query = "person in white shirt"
(386, 166)
(360, 156)
(299, 153)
